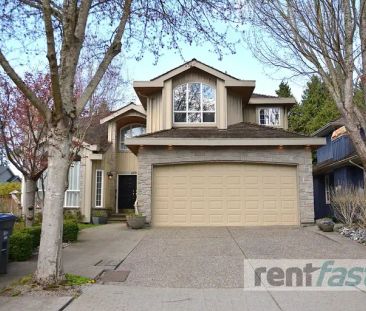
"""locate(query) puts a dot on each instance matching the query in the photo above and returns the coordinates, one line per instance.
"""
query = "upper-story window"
(194, 103)
(130, 131)
(269, 116)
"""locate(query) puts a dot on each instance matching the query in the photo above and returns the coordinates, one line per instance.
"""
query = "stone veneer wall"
(150, 156)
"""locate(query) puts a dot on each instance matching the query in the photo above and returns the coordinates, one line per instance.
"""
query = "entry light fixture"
(110, 175)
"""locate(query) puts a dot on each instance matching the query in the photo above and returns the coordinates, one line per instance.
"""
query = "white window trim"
(327, 189)
(129, 126)
(102, 189)
(279, 116)
(77, 191)
(201, 111)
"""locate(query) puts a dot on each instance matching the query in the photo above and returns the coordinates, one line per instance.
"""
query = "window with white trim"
(130, 131)
(269, 116)
(327, 189)
(194, 103)
(99, 179)
(72, 194)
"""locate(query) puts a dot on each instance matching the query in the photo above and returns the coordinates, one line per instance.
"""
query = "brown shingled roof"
(239, 130)
(94, 132)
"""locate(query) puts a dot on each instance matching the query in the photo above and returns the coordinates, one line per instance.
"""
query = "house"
(337, 165)
(7, 175)
(202, 149)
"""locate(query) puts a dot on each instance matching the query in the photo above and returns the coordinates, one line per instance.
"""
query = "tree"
(23, 134)
(66, 29)
(316, 109)
(284, 90)
(322, 37)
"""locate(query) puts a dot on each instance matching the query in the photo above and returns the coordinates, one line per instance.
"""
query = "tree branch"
(36, 102)
(113, 50)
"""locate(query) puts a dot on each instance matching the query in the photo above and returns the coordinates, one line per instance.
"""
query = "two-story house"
(202, 150)
(337, 165)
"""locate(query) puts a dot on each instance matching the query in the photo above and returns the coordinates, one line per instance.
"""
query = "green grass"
(72, 279)
(86, 226)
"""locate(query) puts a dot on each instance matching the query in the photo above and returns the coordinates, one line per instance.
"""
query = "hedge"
(35, 232)
(7, 187)
(20, 246)
(71, 230)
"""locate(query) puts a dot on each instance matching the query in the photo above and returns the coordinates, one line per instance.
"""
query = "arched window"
(194, 103)
(130, 131)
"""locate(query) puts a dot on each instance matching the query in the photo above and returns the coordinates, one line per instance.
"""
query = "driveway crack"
(246, 257)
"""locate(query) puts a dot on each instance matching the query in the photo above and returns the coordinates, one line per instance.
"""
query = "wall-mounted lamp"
(170, 147)
(280, 147)
(110, 175)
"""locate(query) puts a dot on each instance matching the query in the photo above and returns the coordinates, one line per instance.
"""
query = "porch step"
(113, 218)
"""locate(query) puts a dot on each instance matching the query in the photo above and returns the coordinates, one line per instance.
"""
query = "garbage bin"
(6, 228)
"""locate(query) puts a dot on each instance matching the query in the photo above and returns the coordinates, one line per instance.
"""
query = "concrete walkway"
(98, 248)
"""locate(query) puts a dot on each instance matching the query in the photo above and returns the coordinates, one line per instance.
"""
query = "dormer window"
(194, 103)
(130, 131)
(269, 116)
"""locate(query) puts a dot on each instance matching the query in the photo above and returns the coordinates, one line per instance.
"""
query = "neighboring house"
(7, 175)
(201, 150)
(337, 165)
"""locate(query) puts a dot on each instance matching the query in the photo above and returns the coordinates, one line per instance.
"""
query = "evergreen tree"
(316, 109)
(284, 90)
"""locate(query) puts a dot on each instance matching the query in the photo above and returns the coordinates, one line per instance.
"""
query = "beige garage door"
(224, 194)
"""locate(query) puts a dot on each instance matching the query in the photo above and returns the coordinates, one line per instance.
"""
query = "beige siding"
(234, 109)
(194, 76)
(154, 113)
(126, 162)
(221, 104)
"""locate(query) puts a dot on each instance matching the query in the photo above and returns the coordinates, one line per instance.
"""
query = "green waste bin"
(6, 228)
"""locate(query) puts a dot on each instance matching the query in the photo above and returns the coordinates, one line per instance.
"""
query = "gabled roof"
(329, 127)
(194, 63)
(147, 88)
(7, 175)
(130, 107)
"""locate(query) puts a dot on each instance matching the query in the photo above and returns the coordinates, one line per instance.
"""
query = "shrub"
(99, 213)
(71, 230)
(349, 205)
(7, 187)
(72, 215)
(35, 232)
(20, 246)
(37, 218)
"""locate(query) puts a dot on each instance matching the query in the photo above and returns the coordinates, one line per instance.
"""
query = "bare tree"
(62, 31)
(323, 37)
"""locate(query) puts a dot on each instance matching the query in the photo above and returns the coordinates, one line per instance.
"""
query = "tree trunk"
(29, 199)
(49, 266)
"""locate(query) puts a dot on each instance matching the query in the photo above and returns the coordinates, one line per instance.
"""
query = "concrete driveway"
(213, 257)
(202, 269)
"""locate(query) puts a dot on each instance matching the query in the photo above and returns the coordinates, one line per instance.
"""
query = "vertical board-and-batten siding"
(234, 108)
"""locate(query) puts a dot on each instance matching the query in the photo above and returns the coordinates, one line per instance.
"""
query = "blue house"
(336, 165)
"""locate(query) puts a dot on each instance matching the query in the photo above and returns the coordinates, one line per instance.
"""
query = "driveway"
(202, 269)
(213, 257)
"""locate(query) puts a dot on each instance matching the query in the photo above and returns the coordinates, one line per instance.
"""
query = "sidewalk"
(98, 248)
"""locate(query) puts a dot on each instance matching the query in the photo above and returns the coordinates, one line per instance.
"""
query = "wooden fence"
(9, 205)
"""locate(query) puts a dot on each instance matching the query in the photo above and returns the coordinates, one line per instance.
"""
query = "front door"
(126, 191)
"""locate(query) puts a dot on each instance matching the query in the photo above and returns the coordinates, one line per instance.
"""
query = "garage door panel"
(224, 194)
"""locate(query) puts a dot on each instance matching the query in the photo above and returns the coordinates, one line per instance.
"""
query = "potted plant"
(136, 220)
(99, 216)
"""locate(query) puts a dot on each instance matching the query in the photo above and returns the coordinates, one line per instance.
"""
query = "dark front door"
(126, 191)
